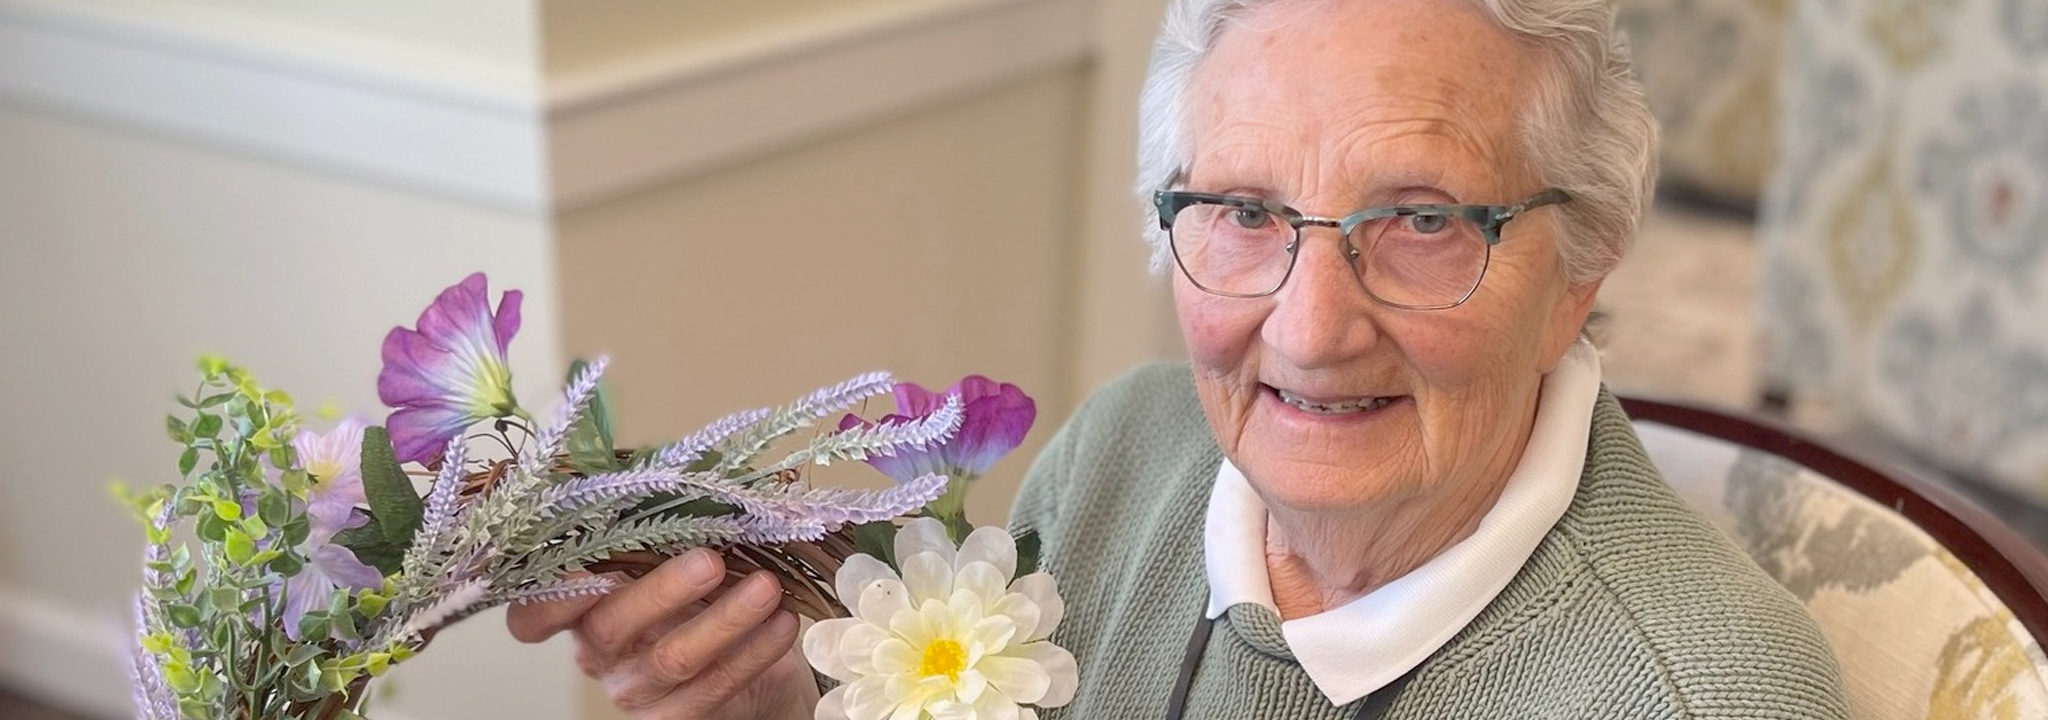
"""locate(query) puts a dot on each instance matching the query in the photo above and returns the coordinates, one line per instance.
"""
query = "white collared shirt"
(1359, 647)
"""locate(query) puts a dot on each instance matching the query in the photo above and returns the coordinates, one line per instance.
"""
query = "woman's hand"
(676, 645)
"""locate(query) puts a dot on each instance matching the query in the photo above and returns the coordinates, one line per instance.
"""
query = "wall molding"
(621, 128)
(408, 126)
(570, 142)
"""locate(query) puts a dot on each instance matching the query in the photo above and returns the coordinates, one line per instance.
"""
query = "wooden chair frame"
(2011, 566)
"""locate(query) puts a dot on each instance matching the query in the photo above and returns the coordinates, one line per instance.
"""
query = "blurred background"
(740, 201)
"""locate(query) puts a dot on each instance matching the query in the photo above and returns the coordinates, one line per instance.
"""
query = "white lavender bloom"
(548, 443)
(451, 606)
(683, 452)
(809, 409)
(833, 508)
(608, 489)
(438, 519)
(558, 591)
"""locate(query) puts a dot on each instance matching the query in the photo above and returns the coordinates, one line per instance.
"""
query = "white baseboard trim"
(579, 140)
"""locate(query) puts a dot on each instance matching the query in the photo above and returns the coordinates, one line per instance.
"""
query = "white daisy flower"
(951, 639)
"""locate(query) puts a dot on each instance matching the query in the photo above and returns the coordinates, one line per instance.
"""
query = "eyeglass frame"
(1489, 218)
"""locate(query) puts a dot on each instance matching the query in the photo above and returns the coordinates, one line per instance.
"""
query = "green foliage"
(371, 547)
(1029, 545)
(877, 540)
(395, 504)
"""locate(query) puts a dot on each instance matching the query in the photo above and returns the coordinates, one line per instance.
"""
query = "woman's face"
(1326, 399)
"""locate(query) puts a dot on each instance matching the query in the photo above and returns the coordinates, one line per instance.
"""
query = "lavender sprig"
(809, 409)
(681, 453)
(546, 445)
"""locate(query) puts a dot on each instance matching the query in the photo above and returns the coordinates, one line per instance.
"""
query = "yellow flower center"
(943, 657)
(323, 471)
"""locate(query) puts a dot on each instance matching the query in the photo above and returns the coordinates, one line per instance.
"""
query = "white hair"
(1587, 130)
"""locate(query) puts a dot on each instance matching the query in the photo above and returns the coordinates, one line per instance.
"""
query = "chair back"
(1934, 609)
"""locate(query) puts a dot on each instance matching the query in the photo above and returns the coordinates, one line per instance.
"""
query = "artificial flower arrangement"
(314, 563)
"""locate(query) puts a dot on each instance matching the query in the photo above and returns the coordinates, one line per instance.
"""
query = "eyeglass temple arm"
(1551, 196)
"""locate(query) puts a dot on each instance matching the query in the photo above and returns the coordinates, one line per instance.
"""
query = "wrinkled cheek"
(1218, 331)
(1221, 336)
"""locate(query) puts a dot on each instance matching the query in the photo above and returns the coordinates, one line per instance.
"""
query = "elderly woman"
(1387, 483)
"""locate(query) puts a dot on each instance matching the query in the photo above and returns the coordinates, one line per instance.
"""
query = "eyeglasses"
(1413, 257)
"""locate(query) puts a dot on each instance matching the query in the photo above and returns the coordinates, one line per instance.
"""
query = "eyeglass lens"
(1418, 260)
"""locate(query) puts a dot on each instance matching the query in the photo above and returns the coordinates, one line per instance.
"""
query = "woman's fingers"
(743, 663)
(691, 651)
(614, 626)
(535, 622)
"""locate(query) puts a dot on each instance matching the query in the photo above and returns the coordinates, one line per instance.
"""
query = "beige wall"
(121, 259)
(930, 245)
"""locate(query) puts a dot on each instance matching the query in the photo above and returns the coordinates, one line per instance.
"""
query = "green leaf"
(208, 425)
(1028, 548)
(211, 528)
(281, 456)
(297, 529)
(302, 653)
(215, 400)
(287, 564)
(183, 615)
(313, 625)
(275, 510)
(295, 482)
(371, 548)
(188, 460)
(228, 510)
(392, 499)
(877, 540)
(240, 547)
(176, 429)
(344, 626)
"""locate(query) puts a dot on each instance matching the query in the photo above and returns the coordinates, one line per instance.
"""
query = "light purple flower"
(335, 462)
(329, 566)
(450, 372)
(996, 418)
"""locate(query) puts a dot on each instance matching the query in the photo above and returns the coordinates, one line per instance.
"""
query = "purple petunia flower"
(996, 417)
(329, 566)
(451, 372)
(335, 462)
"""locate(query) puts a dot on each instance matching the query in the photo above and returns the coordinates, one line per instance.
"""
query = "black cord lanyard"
(1375, 706)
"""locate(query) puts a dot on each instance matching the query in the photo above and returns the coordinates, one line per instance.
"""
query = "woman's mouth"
(1337, 406)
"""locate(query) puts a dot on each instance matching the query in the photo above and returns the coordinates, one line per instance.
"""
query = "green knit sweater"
(1632, 606)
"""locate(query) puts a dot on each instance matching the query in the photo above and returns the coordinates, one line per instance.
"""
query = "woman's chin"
(1319, 488)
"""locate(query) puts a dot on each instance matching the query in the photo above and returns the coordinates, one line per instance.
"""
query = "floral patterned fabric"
(1917, 633)
(1710, 68)
(1905, 228)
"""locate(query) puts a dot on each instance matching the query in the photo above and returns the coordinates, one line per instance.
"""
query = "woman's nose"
(1322, 315)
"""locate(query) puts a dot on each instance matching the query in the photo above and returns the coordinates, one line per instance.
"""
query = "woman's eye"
(1250, 218)
(1428, 224)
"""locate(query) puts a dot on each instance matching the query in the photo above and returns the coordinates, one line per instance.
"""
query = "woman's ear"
(1568, 320)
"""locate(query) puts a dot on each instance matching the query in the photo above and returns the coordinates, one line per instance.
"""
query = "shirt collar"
(1359, 647)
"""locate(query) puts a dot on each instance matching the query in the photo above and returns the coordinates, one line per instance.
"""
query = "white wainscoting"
(568, 142)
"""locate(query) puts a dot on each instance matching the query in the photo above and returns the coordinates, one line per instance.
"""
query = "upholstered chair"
(1934, 609)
